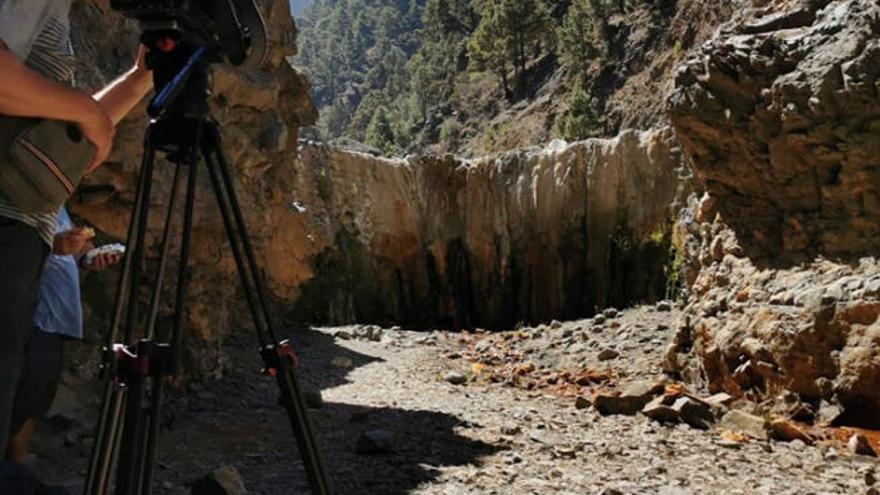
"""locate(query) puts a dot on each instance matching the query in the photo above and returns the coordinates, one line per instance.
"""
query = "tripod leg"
(132, 441)
(223, 166)
(231, 233)
(137, 257)
(291, 394)
(163, 258)
(98, 478)
(100, 461)
(158, 377)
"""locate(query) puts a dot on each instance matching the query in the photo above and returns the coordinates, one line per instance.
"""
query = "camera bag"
(41, 162)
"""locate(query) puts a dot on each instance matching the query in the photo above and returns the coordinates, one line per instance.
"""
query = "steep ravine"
(526, 236)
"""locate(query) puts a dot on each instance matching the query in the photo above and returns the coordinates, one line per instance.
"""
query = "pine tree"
(506, 30)
(578, 38)
(379, 133)
(581, 119)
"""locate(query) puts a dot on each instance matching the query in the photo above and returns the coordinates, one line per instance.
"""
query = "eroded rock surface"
(755, 330)
(524, 236)
(779, 116)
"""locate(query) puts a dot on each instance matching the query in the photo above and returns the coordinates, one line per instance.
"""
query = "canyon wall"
(528, 235)
(778, 117)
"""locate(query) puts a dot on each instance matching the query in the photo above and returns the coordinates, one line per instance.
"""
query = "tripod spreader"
(275, 356)
(147, 358)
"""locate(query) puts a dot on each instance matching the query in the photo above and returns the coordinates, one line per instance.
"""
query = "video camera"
(236, 27)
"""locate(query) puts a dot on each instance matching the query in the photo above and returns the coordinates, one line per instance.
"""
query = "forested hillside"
(485, 75)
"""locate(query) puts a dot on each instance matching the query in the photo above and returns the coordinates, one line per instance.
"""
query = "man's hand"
(101, 261)
(72, 241)
(97, 127)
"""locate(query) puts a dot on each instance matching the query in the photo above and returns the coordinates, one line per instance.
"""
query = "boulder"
(778, 115)
(628, 402)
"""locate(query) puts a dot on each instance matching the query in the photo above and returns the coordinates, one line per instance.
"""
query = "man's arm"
(25, 93)
(120, 96)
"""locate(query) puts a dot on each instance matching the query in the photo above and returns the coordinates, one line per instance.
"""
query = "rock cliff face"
(529, 235)
(778, 117)
(345, 236)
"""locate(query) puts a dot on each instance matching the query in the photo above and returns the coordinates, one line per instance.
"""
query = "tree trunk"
(504, 84)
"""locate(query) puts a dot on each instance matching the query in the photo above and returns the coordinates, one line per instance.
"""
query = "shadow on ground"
(236, 421)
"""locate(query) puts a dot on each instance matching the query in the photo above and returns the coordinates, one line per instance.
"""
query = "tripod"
(135, 369)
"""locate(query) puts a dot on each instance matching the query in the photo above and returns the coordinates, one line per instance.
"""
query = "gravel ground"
(474, 414)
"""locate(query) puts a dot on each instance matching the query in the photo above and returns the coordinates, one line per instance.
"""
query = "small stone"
(607, 354)
(788, 430)
(659, 410)
(829, 412)
(342, 362)
(664, 306)
(599, 319)
(555, 324)
(693, 412)
(581, 402)
(610, 313)
(859, 444)
(510, 430)
(222, 481)
(343, 335)
(720, 400)
(746, 424)
(632, 400)
(374, 442)
(376, 333)
(455, 378)
(870, 477)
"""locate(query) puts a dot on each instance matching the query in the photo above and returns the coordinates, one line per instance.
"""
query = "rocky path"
(446, 413)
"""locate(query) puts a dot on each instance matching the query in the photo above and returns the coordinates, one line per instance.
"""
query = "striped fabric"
(51, 56)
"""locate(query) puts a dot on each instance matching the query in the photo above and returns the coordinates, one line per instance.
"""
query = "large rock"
(780, 117)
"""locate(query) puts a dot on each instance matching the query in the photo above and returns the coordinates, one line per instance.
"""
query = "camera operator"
(37, 67)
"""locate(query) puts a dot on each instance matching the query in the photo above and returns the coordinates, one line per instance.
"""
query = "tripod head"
(185, 37)
(236, 27)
